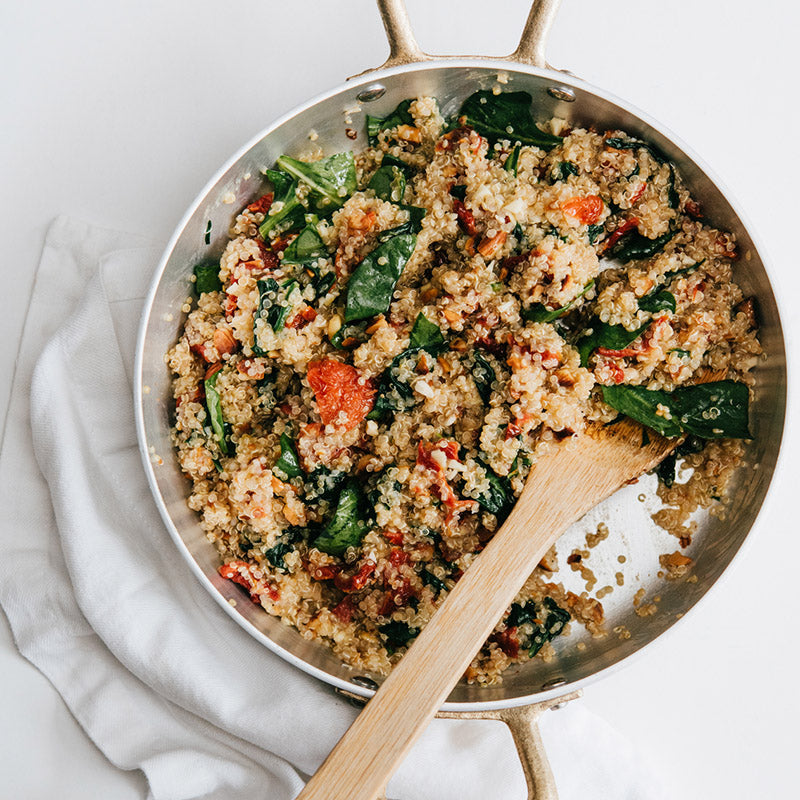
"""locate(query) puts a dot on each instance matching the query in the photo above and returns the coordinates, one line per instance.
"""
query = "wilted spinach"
(397, 634)
(369, 291)
(546, 618)
(483, 375)
(610, 337)
(288, 465)
(505, 116)
(346, 528)
(388, 183)
(498, 498)
(426, 335)
(400, 116)
(512, 162)
(207, 278)
(214, 407)
(540, 313)
(564, 170)
(633, 246)
(658, 300)
(273, 306)
(331, 180)
(709, 410)
(287, 210)
(306, 247)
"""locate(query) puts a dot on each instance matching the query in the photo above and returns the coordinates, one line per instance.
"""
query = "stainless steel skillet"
(407, 73)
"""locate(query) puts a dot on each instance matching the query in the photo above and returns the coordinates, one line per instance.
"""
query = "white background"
(118, 113)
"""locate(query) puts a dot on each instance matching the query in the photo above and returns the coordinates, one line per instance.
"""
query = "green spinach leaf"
(618, 143)
(282, 547)
(415, 216)
(658, 300)
(540, 313)
(713, 410)
(426, 335)
(564, 170)
(369, 291)
(287, 210)
(512, 162)
(393, 394)
(389, 183)
(546, 618)
(353, 334)
(307, 247)
(707, 410)
(484, 376)
(346, 528)
(288, 465)
(459, 191)
(429, 579)
(214, 407)
(331, 180)
(611, 337)
(400, 116)
(593, 231)
(498, 498)
(505, 116)
(397, 634)
(633, 246)
(641, 405)
(323, 483)
(207, 278)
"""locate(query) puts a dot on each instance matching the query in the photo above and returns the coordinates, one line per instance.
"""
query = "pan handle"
(403, 47)
(523, 722)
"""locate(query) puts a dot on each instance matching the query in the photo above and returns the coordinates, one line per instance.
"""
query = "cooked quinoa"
(358, 406)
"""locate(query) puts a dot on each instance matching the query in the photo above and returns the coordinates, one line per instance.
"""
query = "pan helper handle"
(403, 47)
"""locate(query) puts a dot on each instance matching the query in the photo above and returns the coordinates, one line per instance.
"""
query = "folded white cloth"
(99, 600)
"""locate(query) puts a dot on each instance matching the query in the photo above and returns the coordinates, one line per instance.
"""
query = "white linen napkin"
(99, 600)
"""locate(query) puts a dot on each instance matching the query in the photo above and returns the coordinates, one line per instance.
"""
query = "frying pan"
(329, 118)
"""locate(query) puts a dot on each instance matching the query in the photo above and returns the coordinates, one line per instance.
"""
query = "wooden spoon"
(563, 485)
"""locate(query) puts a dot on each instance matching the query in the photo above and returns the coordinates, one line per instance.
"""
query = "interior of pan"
(202, 235)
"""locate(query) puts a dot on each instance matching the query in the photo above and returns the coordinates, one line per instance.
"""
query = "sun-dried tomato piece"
(693, 209)
(508, 642)
(302, 318)
(628, 225)
(358, 580)
(344, 609)
(262, 205)
(465, 217)
(587, 210)
(341, 395)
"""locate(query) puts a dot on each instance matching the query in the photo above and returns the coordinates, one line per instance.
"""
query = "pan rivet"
(552, 684)
(562, 93)
(367, 683)
(373, 92)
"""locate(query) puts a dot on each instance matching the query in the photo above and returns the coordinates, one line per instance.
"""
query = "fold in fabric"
(100, 601)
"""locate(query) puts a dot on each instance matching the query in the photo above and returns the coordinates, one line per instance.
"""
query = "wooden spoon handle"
(564, 485)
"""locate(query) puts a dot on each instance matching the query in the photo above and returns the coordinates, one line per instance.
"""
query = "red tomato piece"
(340, 394)
(262, 205)
(344, 610)
(357, 581)
(587, 210)
(465, 217)
(507, 640)
(302, 318)
(639, 192)
(626, 226)
(628, 352)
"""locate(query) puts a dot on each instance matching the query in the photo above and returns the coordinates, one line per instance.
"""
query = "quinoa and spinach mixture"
(391, 337)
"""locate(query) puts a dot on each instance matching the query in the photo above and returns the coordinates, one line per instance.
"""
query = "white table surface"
(118, 112)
